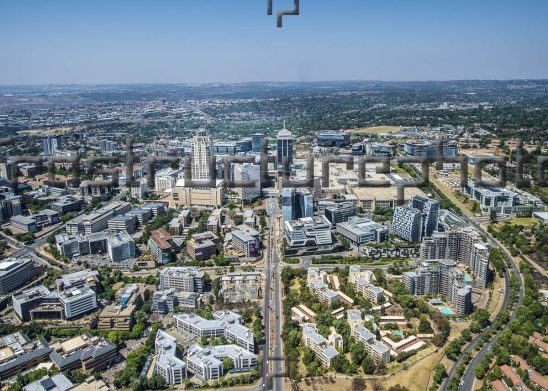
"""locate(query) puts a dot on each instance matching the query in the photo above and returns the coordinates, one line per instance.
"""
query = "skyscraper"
(201, 155)
(304, 203)
(285, 149)
(430, 209)
(248, 173)
(288, 204)
(51, 144)
(407, 223)
(258, 139)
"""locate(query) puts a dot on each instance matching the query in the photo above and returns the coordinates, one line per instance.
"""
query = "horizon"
(281, 82)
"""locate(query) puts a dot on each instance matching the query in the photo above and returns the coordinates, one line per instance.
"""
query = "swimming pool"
(445, 310)
(468, 278)
(399, 333)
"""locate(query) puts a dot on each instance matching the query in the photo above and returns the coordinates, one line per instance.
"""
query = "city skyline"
(205, 42)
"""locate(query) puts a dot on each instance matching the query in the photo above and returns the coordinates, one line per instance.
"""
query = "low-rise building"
(19, 354)
(202, 246)
(120, 315)
(224, 323)
(86, 351)
(117, 244)
(67, 203)
(167, 364)
(308, 231)
(246, 239)
(123, 223)
(188, 279)
(161, 245)
(325, 349)
(57, 382)
(165, 301)
(24, 223)
(359, 230)
(207, 363)
(340, 212)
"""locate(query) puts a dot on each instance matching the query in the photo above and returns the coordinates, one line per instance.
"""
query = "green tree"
(228, 364)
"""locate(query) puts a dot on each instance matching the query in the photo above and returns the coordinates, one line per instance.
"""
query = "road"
(272, 357)
(468, 378)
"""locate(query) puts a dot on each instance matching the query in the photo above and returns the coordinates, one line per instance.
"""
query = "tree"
(358, 384)
(228, 364)
(368, 365)
(440, 373)
(493, 218)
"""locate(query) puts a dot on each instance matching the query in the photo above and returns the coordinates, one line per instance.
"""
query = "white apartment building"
(325, 349)
(168, 365)
(225, 323)
(165, 179)
(201, 155)
(188, 279)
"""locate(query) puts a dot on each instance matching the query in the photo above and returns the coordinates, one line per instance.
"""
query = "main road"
(272, 355)
(468, 378)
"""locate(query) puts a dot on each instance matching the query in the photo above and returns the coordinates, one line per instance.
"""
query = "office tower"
(284, 141)
(339, 213)
(430, 209)
(51, 144)
(248, 173)
(244, 145)
(288, 204)
(304, 203)
(333, 138)
(7, 169)
(257, 142)
(201, 155)
(407, 223)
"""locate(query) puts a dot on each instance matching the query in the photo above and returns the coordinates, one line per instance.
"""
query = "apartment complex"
(361, 281)
(441, 277)
(168, 365)
(463, 246)
(224, 323)
(317, 284)
(325, 349)
(207, 363)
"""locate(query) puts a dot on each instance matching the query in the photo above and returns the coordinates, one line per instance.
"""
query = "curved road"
(468, 378)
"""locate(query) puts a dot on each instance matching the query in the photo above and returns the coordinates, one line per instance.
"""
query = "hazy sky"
(155, 41)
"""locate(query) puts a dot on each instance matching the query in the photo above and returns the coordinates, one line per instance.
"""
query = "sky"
(203, 41)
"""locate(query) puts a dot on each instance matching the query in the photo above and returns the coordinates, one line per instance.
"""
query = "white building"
(201, 156)
(165, 179)
(168, 365)
(248, 173)
(207, 363)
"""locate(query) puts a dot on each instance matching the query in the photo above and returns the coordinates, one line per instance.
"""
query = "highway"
(272, 356)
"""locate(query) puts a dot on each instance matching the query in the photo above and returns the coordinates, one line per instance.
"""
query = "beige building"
(203, 196)
(120, 315)
(371, 198)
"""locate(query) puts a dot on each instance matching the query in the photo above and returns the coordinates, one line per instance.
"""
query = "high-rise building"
(284, 142)
(430, 209)
(201, 155)
(288, 204)
(304, 203)
(257, 142)
(248, 172)
(51, 144)
(407, 223)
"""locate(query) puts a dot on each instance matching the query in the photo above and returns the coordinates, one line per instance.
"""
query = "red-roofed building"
(521, 362)
(538, 340)
(511, 374)
(498, 385)
(538, 380)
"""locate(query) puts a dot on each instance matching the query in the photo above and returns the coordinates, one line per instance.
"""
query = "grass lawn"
(527, 222)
